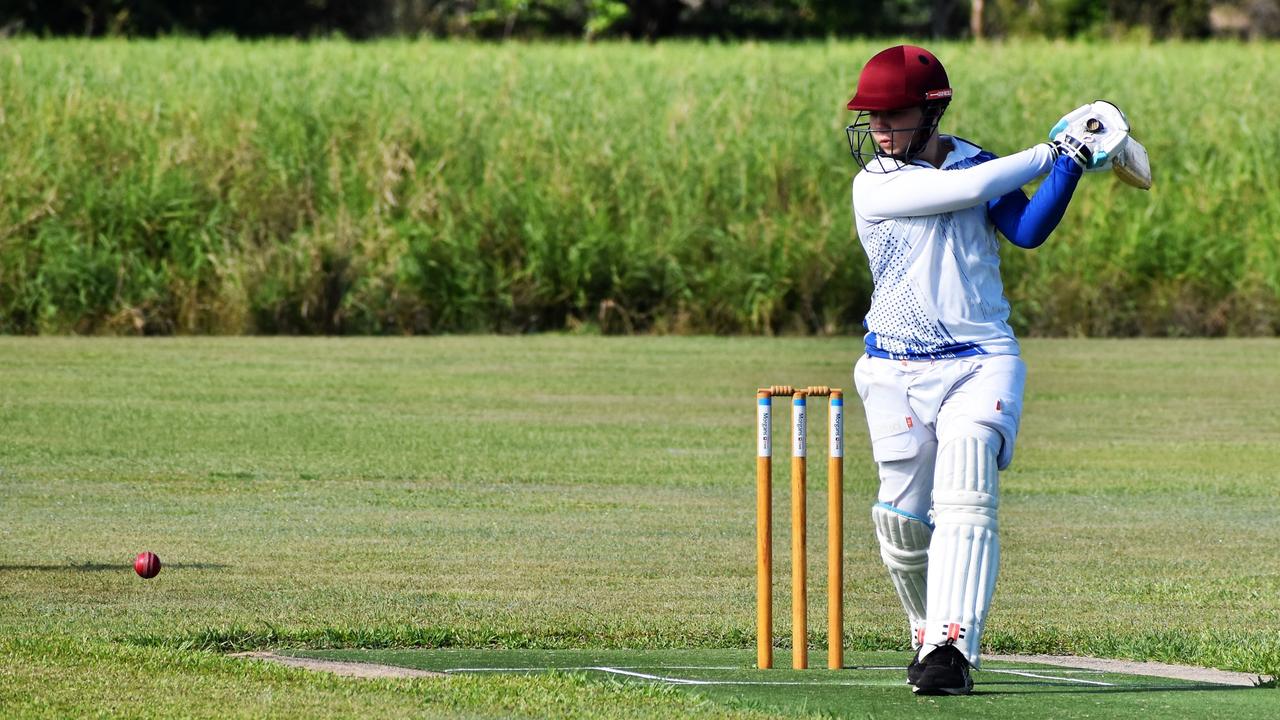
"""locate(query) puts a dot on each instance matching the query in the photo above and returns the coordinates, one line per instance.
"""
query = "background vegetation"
(182, 186)
(644, 18)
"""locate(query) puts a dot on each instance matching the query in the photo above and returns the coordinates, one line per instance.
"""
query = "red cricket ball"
(147, 565)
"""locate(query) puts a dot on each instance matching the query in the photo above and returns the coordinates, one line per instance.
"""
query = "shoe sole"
(941, 691)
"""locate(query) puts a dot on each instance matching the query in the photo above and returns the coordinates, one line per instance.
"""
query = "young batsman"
(941, 380)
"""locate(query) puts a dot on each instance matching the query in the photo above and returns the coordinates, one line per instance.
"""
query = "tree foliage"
(649, 19)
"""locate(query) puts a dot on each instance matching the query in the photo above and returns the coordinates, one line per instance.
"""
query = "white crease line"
(893, 668)
(672, 680)
(1050, 677)
(1073, 671)
(646, 676)
(534, 668)
(546, 668)
(682, 667)
(686, 681)
(901, 668)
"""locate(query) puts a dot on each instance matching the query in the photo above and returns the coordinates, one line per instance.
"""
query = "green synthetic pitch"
(573, 492)
(872, 684)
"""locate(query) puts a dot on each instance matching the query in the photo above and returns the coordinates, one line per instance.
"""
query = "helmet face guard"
(867, 152)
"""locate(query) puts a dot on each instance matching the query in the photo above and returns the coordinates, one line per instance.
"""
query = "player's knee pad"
(904, 547)
(965, 486)
(996, 428)
(904, 538)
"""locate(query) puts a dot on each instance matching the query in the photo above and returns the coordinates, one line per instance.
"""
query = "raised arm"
(929, 191)
(1027, 223)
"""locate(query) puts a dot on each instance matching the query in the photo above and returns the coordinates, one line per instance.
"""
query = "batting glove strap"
(1074, 149)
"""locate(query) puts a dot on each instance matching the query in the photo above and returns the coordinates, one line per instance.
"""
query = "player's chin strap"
(932, 116)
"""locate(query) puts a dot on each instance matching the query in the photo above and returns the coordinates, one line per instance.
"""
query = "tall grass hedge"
(181, 186)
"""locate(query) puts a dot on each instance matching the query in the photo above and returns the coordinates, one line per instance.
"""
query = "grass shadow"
(99, 567)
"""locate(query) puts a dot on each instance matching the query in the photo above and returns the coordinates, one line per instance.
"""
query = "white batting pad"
(965, 553)
(904, 547)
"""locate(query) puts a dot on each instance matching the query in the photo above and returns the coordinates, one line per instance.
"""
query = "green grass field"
(571, 492)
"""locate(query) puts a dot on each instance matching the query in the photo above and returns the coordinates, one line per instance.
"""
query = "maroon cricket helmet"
(902, 76)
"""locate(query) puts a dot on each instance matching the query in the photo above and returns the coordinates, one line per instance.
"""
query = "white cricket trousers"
(915, 406)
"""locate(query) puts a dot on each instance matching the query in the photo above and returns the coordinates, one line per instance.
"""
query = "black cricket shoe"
(945, 672)
(914, 670)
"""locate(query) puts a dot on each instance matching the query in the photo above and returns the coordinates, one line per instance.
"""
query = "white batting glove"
(1100, 126)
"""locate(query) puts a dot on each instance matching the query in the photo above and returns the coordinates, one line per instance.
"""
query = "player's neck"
(935, 151)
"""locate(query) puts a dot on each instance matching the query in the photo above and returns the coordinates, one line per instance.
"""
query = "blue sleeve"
(1027, 223)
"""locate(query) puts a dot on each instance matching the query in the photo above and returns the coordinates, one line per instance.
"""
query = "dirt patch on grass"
(1129, 667)
(345, 669)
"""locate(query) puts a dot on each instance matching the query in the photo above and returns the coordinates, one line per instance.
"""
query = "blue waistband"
(943, 353)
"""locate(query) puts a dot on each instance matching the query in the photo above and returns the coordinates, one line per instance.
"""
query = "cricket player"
(941, 380)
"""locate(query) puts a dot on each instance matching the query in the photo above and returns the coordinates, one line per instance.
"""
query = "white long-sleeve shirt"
(934, 255)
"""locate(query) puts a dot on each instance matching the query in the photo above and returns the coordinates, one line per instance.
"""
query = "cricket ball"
(147, 565)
